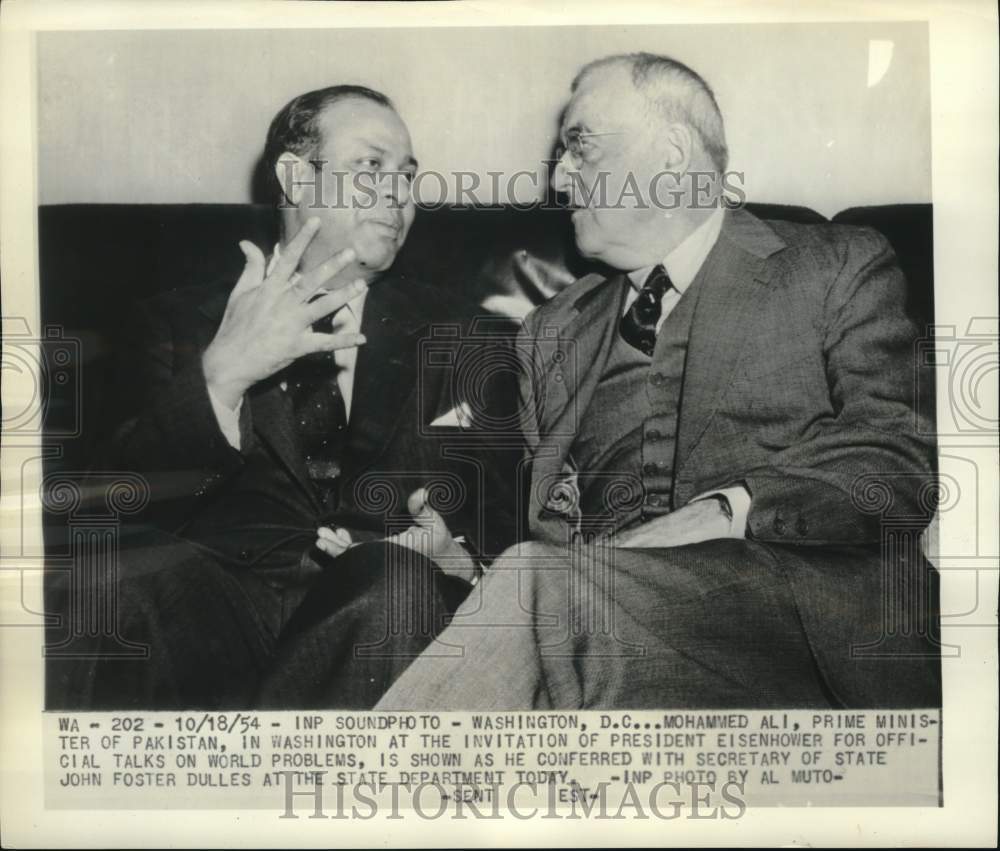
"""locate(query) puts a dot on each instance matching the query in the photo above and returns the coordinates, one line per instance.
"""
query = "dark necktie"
(320, 415)
(638, 325)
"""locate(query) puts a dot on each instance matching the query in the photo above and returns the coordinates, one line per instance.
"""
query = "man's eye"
(579, 147)
(371, 163)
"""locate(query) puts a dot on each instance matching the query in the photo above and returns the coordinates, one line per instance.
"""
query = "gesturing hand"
(267, 323)
(430, 536)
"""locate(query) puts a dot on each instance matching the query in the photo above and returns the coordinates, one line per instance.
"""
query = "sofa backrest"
(95, 259)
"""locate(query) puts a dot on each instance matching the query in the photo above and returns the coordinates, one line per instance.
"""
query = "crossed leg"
(708, 625)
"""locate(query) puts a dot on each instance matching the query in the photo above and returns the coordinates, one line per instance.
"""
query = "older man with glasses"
(702, 425)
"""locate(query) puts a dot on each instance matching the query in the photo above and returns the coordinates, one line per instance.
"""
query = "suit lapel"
(734, 281)
(385, 373)
(583, 347)
(273, 423)
(214, 305)
(572, 371)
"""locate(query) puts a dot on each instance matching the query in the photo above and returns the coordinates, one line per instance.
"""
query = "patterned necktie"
(638, 325)
(320, 415)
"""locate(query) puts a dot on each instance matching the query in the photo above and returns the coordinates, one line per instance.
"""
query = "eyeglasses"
(577, 146)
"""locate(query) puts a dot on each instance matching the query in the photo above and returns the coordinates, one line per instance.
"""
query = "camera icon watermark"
(497, 386)
(42, 396)
(969, 380)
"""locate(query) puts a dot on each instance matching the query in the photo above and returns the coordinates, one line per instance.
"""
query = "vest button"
(652, 468)
(655, 500)
(779, 526)
(657, 378)
(653, 435)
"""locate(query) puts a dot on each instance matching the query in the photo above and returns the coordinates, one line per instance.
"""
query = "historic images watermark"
(523, 800)
(363, 189)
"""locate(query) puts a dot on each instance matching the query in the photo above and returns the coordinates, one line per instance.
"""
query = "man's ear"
(291, 173)
(677, 144)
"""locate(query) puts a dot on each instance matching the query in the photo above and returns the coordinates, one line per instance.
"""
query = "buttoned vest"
(625, 447)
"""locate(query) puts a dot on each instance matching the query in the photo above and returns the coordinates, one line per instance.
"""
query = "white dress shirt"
(682, 265)
(346, 321)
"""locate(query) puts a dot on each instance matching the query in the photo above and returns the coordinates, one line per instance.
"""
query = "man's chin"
(605, 245)
(587, 242)
(376, 258)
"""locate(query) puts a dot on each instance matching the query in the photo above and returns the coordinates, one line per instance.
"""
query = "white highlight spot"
(879, 60)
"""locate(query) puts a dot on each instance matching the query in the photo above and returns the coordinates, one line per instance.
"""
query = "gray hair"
(676, 93)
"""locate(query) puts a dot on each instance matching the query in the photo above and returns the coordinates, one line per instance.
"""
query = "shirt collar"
(682, 264)
(355, 305)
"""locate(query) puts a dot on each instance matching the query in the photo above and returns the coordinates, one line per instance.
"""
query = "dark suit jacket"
(255, 508)
(799, 383)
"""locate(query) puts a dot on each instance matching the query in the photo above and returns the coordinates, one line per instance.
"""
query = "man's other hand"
(268, 319)
(701, 520)
(430, 537)
(333, 542)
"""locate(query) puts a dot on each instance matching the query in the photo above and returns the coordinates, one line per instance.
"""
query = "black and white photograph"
(585, 405)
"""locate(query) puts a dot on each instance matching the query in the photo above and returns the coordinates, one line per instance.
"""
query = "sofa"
(96, 258)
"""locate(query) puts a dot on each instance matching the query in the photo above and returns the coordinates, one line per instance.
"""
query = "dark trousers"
(220, 637)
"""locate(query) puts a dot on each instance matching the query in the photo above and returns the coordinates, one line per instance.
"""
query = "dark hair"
(296, 128)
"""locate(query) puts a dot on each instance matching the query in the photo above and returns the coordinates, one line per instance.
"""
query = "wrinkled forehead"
(360, 121)
(605, 99)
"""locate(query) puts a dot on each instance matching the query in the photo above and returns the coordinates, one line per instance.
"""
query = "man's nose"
(394, 187)
(561, 176)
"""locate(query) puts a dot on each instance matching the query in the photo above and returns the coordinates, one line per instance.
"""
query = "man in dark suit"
(715, 431)
(306, 479)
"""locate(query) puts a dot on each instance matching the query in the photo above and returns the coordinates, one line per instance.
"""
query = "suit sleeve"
(874, 455)
(164, 426)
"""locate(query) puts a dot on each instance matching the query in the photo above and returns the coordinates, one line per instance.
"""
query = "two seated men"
(696, 426)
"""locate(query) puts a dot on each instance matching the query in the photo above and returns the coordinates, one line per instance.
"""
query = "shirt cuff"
(477, 559)
(228, 419)
(738, 498)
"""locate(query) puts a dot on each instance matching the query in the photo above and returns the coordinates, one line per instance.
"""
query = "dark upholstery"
(910, 230)
(96, 258)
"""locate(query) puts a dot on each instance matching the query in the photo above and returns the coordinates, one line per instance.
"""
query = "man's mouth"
(392, 225)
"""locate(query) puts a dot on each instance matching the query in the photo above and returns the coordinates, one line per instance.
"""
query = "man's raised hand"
(268, 319)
